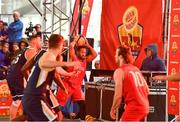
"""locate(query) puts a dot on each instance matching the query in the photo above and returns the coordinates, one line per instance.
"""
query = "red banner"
(173, 58)
(73, 29)
(5, 99)
(85, 16)
(173, 102)
(136, 23)
(86, 12)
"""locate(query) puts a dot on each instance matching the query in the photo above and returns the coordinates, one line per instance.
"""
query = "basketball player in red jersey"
(130, 85)
(73, 84)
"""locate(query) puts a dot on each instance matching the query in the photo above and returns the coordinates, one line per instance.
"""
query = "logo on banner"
(176, 21)
(4, 91)
(174, 47)
(130, 31)
(86, 8)
(173, 71)
(173, 101)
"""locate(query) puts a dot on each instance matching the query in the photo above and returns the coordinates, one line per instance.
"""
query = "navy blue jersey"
(16, 65)
(39, 80)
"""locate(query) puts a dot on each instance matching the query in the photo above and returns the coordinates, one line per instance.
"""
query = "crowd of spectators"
(11, 41)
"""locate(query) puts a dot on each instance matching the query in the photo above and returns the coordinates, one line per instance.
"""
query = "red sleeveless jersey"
(73, 85)
(76, 80)
(135, 90)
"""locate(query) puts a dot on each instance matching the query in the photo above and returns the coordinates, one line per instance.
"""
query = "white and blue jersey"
(15, 77)
(35, 99)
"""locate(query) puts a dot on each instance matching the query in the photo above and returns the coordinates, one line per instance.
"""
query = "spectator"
(45, 44)
(15, 51)
(5, 25)
(15, 30)
(152, 62)
(3, 32)
(5, 50)
(97, 64)
(38, 29)
(4, 60)
(0, 46)
(24, 43)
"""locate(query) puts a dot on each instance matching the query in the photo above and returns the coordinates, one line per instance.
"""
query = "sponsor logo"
(173, 101)
(176, 22)
(174, 47)
(173, 71)
(130, 31)
(86, 8)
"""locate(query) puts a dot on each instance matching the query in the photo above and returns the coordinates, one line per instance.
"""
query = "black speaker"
(107, 100)
(92, 99)
(157, 105)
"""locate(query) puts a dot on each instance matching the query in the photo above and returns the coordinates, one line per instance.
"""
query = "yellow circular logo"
(130, 18)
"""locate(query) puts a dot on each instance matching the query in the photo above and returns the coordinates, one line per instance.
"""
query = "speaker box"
(107, 100)
(157, 105)
(94, 101)
(157, 102)
(92, 97)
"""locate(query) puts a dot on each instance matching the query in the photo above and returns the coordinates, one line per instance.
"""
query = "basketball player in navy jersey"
(131, 85)
(57, 78)
(35, 102)
(15, 78)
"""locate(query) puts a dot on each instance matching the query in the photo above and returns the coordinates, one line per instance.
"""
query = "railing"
(154, 83)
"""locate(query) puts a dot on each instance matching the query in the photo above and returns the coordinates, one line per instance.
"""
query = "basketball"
(89, 118)
(80, 41)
